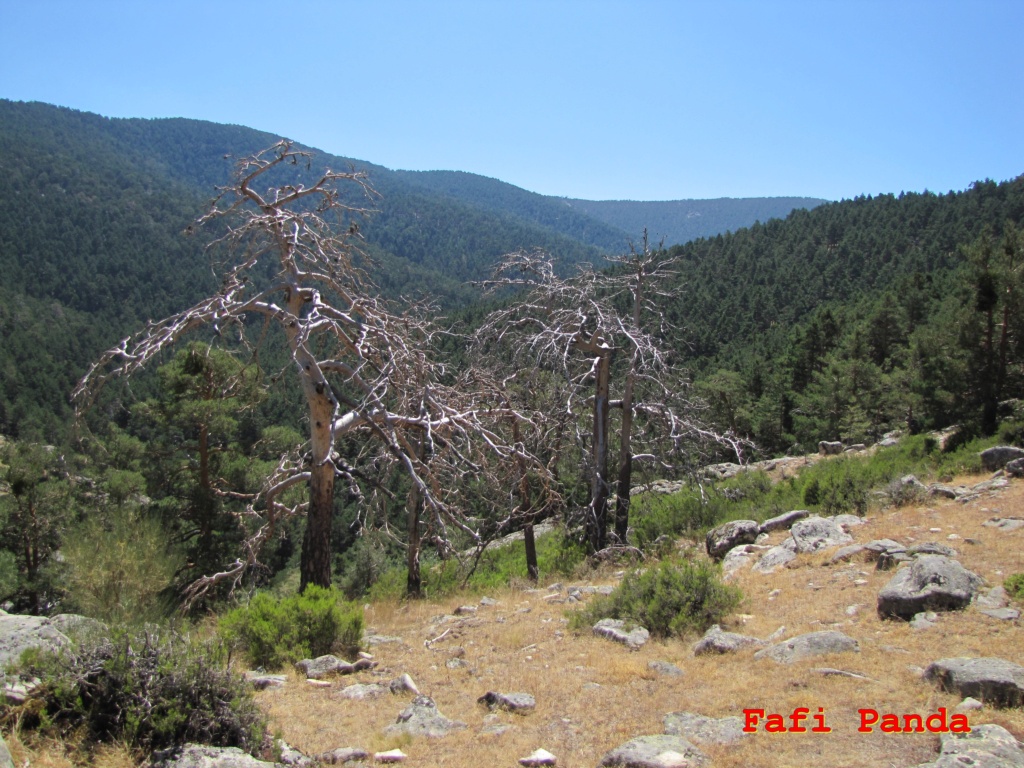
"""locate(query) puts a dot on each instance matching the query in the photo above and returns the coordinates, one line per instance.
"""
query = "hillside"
(680, 221)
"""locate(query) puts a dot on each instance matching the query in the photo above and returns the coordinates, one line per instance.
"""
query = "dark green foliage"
(670, 598)
(152, 691)
(275, 631)
(1012, 433)
(1014, 585)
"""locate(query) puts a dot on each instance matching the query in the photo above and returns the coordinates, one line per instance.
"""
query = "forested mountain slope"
(680, 221)
(859, 316)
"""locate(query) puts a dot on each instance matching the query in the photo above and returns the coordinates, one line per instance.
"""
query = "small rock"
(811, 644)
(360, 692)
(717, 641)
(665, 668)
(262, 682)
(538, 758)
(465, 610)
(783, 521)
(968, 705)
(519, 703)
(615, 630)
(403, 684)
(924, 620)
(704, 730)
(1003, 614)
(488, 601)
(655, 752)
(423, 718)
(344, 755)
(391, 756)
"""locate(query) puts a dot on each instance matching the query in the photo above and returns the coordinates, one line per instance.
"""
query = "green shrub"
(276, 631)
(152, 691)
(1012, 433)
(668, 599)
(1014, 585)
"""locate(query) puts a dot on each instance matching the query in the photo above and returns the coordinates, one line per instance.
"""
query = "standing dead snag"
(362, 365)
(573, 325)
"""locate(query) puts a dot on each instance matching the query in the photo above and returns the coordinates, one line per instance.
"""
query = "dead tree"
(573, 325)
(363, 365)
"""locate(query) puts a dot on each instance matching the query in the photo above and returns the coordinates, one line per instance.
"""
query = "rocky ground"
(590, 695)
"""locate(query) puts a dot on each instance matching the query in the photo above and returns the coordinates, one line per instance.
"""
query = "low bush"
(151, 691)
(667, 599)
(1014, 585)
(274, 631)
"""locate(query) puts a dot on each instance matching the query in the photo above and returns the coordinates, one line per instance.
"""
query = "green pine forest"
(796, 320)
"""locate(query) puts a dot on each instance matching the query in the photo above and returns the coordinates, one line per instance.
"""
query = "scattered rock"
(519, 703)
(994, 484)
(538, 758)
(999, 456)
(740, 557)
(403, 684)
(1005, 524)
(382, 639)
(665, 668)
(724, 537)
(19, 633)
(422, 718)
(615, 629)
(994, 598)
(465, 610)
(1003, 614)
(655, 752)
(776, 557)
(784, 521)
(488, 601)
(322, 666)
(391, 756)
(262, 682)
(845, 554)
(291, 756)
(830, 448)
(924, 620)
(931, 548)
(344, 755)
(986, 746)
(704, 730)
(813, 534)
(931, 583)
(1015, 468)
(360, 692)
(717, 641)
(811, 644)
(200, 756)
(994, 681)
(968, 705)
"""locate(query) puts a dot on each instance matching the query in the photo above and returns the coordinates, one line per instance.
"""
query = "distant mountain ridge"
(679, 221)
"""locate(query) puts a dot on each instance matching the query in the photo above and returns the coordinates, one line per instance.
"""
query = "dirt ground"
(593, 695)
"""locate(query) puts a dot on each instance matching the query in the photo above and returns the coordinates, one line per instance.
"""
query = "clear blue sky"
(600, 99)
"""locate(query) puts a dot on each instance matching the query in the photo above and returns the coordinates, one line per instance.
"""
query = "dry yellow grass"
(593, 695)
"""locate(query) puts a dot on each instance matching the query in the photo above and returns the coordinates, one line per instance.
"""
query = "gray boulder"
(784, 521)
(704, 730)
(817, 533)
(322, 666)
(830, 448)
(806, 646)
(519, 703)
(19, 633)
(776, 557)
(986, 746)
(655, 752)
(724, 537)
(717, 641)
(994, 681)
(930, 583)
(201, 756)
(999, 456)
(423, 718)
(1015, 468)
(615, 630)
